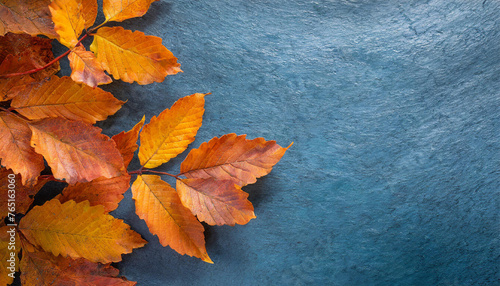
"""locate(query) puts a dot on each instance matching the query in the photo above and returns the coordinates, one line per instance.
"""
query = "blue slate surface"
(394, 110)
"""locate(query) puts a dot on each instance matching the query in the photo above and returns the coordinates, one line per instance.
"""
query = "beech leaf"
(133, 56)
(216, 202)
(79, 230)
(89, 12)
(76, 151)
(126, 142)
(234, 158)
(26, 16)
(8, 245)
(85, 68)
(172, 131)
(158, 204)
(68, 20)
(24, 195)
(119, 10)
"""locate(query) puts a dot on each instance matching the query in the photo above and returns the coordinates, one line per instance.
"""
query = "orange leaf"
(9, 249)
(85, 68)
(234, 158)
(126, 142)
(76, 151)
(24, 195)
(119, 10)
(15, 150)
(133, 56)
(216, 202)
(62, 97)
(169, 135)
(26, 16)
(41, 268)
(101, 191)
(158, 204)
(79, 230)
(68, 20)
(89, 11)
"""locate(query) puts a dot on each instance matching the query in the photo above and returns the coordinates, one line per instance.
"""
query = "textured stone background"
(394, 110)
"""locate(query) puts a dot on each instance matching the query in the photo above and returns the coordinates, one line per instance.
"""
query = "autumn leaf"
(62, 97)
(24, 195)
(126, 142)
(76, 151)
(26, 16)
(234, 158)
(120, 10)
(172, 131)
(107, 192)
(216, 202)
(68, 20)
(89, 12)
(41, 268)
(79, 230)
(158, 204)
(9, 244)
(133, 56)
(15, 150)
(85, 68)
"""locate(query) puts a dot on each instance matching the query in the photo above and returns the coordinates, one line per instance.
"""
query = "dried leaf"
(101, 191)
(172, 131)
(216, 202)
(68, 20)
(42, 268)
(119, 10)
(158, 204)
(86, 69)
(26, 16)
(9, 249)
(76, 151)
(24, 195)
(234, 158)
(79, 230)
(89, 11)
(133, 56)
(62, 97)
(15, 150)
(126, 142)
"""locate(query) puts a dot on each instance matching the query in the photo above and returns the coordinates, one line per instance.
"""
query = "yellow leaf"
(26, 16)
(86, 69)
(62, 97)
(133, 56)
(158, 204)
(119, 10)
(68, 20)
(172, 131)
(79, 230)
(89, 11)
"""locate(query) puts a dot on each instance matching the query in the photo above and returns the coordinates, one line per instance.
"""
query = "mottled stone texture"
(394, 110)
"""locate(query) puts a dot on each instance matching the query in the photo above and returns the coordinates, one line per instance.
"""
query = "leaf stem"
(139, 172)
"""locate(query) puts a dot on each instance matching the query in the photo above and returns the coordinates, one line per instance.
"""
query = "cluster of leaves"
(46, 120)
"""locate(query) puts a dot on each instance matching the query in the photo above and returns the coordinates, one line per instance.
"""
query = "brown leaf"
(24, 195)
(26, 16)
(126, 142)
(79, 230)
(119, 10)
(89, 10)
(86, 69)
(172, 131)
(101, 191)
(234, 158)
(69, 23)
(62, 97)
(76, 151)
(42, 268)
(15, 150)
(133, 56)
(158, 204)
(9, 249)
(216, 202)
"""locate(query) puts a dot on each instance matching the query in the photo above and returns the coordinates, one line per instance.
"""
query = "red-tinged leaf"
(42, 268)
(119, 10)
(21, 196)
(126, 142)
(86, 69)
(172, 131)
(158, 204)
(15, 150)
(26, 16)
(234, 158)
(101, 191)
(76, 151)
(133, 56)
(79, 230)
(69, 23)
(62, 97)
(9, 249)
(216, 202)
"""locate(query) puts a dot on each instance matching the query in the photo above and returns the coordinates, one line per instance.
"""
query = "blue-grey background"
(394, 108)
